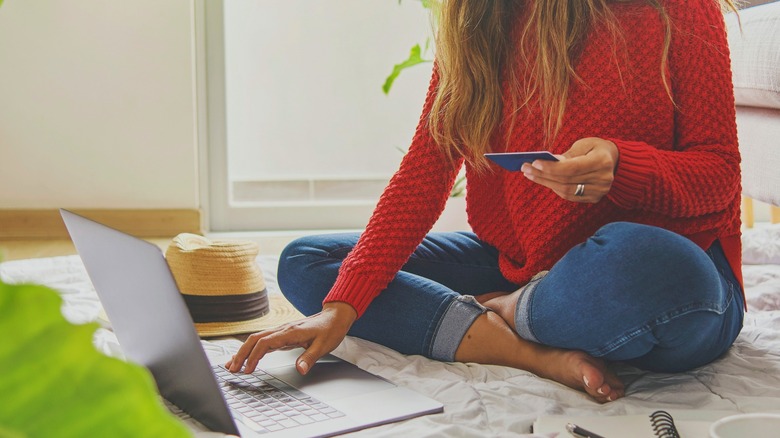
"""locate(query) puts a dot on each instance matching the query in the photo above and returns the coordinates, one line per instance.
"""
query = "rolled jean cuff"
(457, 319)
(522, 321)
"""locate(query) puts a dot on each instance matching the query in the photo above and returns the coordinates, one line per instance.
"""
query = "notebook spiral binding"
(663, 425)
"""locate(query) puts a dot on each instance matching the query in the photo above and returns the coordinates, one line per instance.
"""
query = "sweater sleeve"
(701, 174)
(406, 211)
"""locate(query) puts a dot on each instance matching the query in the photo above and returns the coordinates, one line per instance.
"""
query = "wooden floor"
(32, 249)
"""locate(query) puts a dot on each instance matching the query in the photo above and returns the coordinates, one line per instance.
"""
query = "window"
(299, 133)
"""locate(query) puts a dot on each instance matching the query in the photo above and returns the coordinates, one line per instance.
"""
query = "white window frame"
(294, 202)
(219, 214)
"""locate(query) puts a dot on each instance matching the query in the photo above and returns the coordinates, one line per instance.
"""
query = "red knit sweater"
(678, 166)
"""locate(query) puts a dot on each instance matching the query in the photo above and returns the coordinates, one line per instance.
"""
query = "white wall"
(97, 106)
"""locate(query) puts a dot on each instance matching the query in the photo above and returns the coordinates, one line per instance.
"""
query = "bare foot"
(575, 369)
(578, 370)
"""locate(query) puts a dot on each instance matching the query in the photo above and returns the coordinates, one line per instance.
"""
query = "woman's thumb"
(307, 359)
(302, 366)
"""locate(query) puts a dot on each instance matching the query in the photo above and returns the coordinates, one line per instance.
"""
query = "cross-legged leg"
(632, 293)
(428, 308)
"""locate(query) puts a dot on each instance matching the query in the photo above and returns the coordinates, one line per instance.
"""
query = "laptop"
(154, 328)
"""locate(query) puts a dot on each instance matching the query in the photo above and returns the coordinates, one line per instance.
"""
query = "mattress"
(482, 400)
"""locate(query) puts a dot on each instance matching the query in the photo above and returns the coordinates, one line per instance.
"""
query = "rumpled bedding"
(482, 400)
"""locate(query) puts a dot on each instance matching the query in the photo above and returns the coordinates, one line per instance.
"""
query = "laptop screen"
(150, 318)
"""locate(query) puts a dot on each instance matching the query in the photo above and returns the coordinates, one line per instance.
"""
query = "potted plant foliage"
(53, 382)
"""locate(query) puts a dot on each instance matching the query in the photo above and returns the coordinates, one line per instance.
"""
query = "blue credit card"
(513, 161)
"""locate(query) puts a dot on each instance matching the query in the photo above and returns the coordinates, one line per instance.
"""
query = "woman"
(626, 249)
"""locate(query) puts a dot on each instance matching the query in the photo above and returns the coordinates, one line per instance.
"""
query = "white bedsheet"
(499, 401)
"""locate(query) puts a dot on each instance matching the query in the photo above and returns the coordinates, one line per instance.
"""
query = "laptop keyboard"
(268, 403)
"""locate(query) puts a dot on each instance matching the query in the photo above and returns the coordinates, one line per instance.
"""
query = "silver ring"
(580, 190)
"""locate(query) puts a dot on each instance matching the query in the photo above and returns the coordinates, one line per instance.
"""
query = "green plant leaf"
(459, 188)
(425, 3)
(414, 59)
(53, 382)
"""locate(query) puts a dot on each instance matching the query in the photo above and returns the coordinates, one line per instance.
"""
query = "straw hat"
(223, 287)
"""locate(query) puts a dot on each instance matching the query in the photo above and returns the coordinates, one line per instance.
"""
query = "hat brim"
(281, 312)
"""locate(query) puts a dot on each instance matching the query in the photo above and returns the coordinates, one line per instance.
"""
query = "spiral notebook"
(655, 424)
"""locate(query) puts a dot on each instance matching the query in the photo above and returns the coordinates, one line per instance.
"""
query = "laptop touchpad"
(331, 380)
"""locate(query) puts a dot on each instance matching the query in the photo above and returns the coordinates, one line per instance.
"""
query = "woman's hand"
(319, 334)
(583, 174)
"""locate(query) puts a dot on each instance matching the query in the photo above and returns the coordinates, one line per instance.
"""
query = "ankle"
(504, 306)
(491, 341)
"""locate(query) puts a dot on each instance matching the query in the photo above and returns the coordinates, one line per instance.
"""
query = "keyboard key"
(252, 425)
(335, 414)
(319, 417)
(288, 423)
(308, 412)
(257, 416)
(302, 419)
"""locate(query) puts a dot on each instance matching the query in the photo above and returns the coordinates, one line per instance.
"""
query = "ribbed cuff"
(522, 318)
(634, 174)
(355, 290)
(454, 324)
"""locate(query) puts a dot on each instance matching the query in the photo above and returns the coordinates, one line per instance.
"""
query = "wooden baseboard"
(47, 224)
(747, 212)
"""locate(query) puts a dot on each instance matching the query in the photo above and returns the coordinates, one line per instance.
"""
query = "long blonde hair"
(473, 46)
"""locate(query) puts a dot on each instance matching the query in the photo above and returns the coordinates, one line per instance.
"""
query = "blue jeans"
(631, 293)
